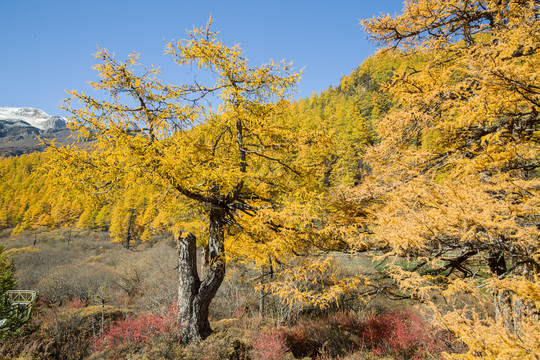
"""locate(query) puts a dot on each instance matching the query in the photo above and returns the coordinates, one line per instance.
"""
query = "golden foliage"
(167, 157)
(455, 178)
(313, 283)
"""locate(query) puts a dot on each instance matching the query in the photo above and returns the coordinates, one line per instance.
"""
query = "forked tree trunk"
(194, 296)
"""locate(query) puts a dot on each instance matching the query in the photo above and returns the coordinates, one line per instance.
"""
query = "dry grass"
(79, 273)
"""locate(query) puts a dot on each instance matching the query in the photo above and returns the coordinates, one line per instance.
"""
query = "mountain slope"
(21, 127)
(31, 117)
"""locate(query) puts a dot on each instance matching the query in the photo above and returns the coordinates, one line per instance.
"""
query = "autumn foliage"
(422, 165)
(455, 177)
(136, 332)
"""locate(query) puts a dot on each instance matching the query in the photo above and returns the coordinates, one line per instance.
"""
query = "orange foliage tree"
(454, 182)
(222, 154)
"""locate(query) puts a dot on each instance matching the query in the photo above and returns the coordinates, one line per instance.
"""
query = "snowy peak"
(30, 117)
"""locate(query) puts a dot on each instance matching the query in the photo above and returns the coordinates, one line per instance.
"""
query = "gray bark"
(194, 296)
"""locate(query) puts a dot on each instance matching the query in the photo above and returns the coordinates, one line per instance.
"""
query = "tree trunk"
(194, 296)
(128, 233)
(205, 257)
(263, 294)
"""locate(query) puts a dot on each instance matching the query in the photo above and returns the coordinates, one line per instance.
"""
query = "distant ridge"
(20, 128)
(27, 116)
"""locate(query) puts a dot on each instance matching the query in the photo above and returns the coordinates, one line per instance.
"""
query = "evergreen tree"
(7, 282)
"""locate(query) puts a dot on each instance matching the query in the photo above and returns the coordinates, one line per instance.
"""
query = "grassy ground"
(100, 301)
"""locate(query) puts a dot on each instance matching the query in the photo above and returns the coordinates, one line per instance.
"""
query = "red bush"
(76, 303)
(399, 334)
(139, 330)
(269, 345)
(402, 334)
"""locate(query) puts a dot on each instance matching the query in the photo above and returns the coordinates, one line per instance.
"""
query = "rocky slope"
(21, 127)
(30, 117)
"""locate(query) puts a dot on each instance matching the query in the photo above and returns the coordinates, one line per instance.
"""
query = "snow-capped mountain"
(22, 130)
(21, 117)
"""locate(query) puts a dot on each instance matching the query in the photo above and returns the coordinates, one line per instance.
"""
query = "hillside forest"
(392, 216)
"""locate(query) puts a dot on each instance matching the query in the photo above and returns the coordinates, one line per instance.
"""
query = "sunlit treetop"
(225, 142)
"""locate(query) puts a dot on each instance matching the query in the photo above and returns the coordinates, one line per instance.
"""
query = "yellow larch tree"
(220, 153)
(455, 183)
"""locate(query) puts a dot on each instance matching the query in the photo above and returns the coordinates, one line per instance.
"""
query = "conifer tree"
(455, 179)
(7, 282)
(219, 151)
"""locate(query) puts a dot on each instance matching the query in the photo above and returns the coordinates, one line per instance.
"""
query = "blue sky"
(46, 46)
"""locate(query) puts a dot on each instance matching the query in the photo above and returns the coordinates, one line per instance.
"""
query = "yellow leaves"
(312, 283)
(465, 97)
(417, 286)
(151, 138)
(458, 212)
(489, 340)
(241, 88)
(454, 125)
(527, 289)
(409, 29)
(466, 309)
(455, 177)
(30, 198)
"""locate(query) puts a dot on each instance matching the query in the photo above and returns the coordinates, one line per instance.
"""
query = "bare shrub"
(59, 333)
(160, 282)
(75, 281)
(33, 266)
(53, 249)
(235, 297)
(144, 278)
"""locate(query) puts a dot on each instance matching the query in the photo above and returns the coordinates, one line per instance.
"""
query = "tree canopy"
(222, 152)
(455, 178)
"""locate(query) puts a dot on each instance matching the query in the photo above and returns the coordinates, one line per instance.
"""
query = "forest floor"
(99, 300)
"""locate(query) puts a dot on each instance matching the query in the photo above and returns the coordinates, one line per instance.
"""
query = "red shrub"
(139, 330)
(269, 345)
(76, 303)
(402, 334)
